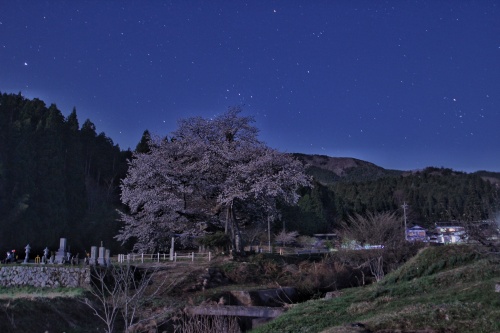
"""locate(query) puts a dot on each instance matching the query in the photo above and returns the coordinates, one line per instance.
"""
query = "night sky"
(402, 84)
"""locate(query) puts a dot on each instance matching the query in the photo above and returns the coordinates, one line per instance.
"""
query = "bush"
(218, 240)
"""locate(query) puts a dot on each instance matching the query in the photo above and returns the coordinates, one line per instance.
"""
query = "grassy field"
(442, 289)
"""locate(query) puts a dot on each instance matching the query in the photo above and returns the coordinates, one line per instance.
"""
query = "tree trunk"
(236, 241)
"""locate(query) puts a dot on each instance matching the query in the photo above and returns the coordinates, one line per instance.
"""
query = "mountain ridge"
(328, 170)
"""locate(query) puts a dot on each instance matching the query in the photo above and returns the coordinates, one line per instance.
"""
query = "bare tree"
(369, 241)
(123, 289)
(202, 324)
(373, 228)
(7, 309)
(376, 265)
(486, 234)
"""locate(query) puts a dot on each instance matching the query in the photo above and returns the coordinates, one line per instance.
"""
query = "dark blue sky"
(402, 84)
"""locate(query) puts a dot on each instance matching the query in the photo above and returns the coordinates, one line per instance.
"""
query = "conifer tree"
(143, 145)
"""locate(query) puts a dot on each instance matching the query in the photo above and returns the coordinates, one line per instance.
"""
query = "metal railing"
(158, 257)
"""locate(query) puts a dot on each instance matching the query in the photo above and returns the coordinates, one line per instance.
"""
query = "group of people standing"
(10, 257)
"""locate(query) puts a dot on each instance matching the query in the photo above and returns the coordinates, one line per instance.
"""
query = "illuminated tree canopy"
(212, 171)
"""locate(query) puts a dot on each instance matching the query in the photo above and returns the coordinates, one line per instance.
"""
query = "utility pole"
(269, 232)
(405, 206)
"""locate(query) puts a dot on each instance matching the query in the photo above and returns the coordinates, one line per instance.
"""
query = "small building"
(450, 232)
(416, 234)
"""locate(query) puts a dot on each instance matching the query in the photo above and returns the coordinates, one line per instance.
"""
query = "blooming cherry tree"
(211, 171)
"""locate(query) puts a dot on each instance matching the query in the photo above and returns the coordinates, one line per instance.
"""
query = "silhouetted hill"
(328, 170)
(492, 177)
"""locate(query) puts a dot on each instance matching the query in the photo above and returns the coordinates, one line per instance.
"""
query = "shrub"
(219, 240)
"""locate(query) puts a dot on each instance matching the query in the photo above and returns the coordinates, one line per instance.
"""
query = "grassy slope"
(28, 310)
(442, 289)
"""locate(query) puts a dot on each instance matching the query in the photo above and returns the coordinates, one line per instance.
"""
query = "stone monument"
(45, 257)
(107, 257)
(93, 255)
(27, 250)
(101, 261)
(61, 253)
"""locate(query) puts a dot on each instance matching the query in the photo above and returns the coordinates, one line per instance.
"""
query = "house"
(450, 232)
(416, 234)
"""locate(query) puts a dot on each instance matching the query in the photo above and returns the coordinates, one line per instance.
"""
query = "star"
(202, 57)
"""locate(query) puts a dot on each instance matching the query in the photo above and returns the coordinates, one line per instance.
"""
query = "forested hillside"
(432, 195)
(60, 179)
(57, 179)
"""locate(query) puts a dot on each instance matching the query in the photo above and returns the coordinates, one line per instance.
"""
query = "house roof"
(416, 227)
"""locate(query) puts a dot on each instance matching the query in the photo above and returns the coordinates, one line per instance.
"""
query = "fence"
(287, 250)
(158, 257)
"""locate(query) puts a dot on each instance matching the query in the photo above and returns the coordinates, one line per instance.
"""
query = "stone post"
(61, 253)
(100, 260)
(172, 250)
(93, 255)
(107, 257)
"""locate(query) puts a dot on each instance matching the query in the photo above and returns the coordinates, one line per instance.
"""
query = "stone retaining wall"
(44, 276)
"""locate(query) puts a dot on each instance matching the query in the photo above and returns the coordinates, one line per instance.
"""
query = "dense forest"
(57, 179)
(60, 179)
(432, 195)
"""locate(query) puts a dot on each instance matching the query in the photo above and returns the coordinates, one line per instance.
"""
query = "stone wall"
(44, 276)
